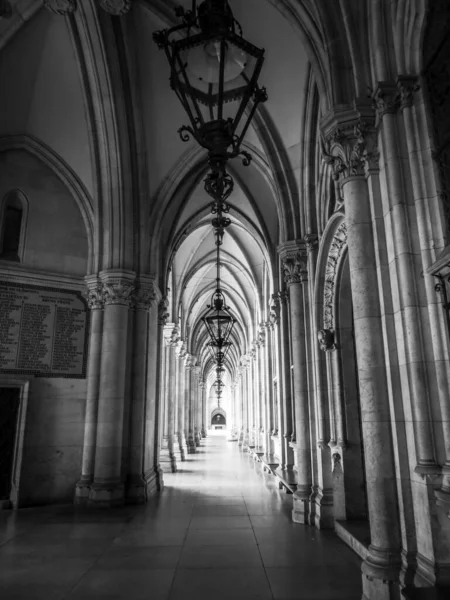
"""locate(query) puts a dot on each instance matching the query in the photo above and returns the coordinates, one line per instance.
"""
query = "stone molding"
(326, 340)
(118, 287)
(190, 362)
(61, 7)
(66, 7)
(180, 350)
(349, 142)
(335, 252)
(294, 258)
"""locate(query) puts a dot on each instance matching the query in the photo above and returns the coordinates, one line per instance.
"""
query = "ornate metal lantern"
(214, 72)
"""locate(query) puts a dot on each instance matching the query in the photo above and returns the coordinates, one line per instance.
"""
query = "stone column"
(168, 457)
(96, 306)
(153, 431)
(141, 481)
(293, 255)
(108, 487)
(204, 418)
(285, 380)
(197, 406)
(181, 395)
(191, 406)
(351, 149)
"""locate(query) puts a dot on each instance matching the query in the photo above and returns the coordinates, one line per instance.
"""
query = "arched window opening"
(12, 227)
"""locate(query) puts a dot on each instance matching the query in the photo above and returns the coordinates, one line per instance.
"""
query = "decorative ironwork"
(214, 72)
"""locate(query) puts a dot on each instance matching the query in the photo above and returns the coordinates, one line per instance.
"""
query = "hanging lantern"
(214, 72)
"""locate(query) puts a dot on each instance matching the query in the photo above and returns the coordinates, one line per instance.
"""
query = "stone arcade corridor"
(220, 530)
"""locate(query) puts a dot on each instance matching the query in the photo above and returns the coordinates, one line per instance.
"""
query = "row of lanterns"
(214, 72)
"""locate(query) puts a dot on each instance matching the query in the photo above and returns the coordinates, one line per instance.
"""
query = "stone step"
(355, 534)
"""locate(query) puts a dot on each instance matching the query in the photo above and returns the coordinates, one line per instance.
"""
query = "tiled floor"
(220, 530)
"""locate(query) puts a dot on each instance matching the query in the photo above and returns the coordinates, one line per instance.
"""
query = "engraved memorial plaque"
(43, 331)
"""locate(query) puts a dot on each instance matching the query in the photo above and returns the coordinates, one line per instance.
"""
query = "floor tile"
(219, 537)
(239, 556)
(220, 523)
(221, 584)
(221, 529)
(124, 585)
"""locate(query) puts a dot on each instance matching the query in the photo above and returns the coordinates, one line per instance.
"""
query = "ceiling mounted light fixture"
(214, 72)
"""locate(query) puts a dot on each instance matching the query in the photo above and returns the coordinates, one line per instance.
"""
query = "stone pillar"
(196, 407)
(142, 479)
(108, 488)
(168, 445)
(203, 410)
(96, 305)
(285, 381)
(191, 406)
(351, 151)
(181, 403)
(293, 255)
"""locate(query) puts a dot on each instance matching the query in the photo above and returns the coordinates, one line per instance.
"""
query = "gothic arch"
(64, 172)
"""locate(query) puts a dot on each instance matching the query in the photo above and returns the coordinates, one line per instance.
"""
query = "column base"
(322, 509)
(380, 574)
(198, 438)
(204, 434)
(300, 508)
(168, 462)
(140, 489)
(107, 495)
(82, 492)
(192, 448)
(380, 589)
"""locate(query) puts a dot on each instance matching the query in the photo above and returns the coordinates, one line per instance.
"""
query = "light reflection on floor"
(220, 530)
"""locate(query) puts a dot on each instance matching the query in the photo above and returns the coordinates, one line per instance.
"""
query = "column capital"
(66, 7)
(311, 241)
(407, 85)
(386, 99)
(163, 315)
(349, 140)
(61, 7)
(94, 292)
(118, 286)
(144, 295)
(326, 340)
(274, 310)
(294, 257)
(180, 350)
(171, 334)
(116, 7)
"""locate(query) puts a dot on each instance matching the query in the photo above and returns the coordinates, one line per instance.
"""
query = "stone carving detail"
(337, 248)
(143, 297)
(274, 310)
(116, 7)
(326, 340)
(311, 241)
(171, 335)
(118, 291)
(5, 9)
(295, 268)
(284, 297)
(61, 7)
(163, 315)
(386, 100)
(95, 296)
(351, 151)
(407, 87)
(180, 350)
